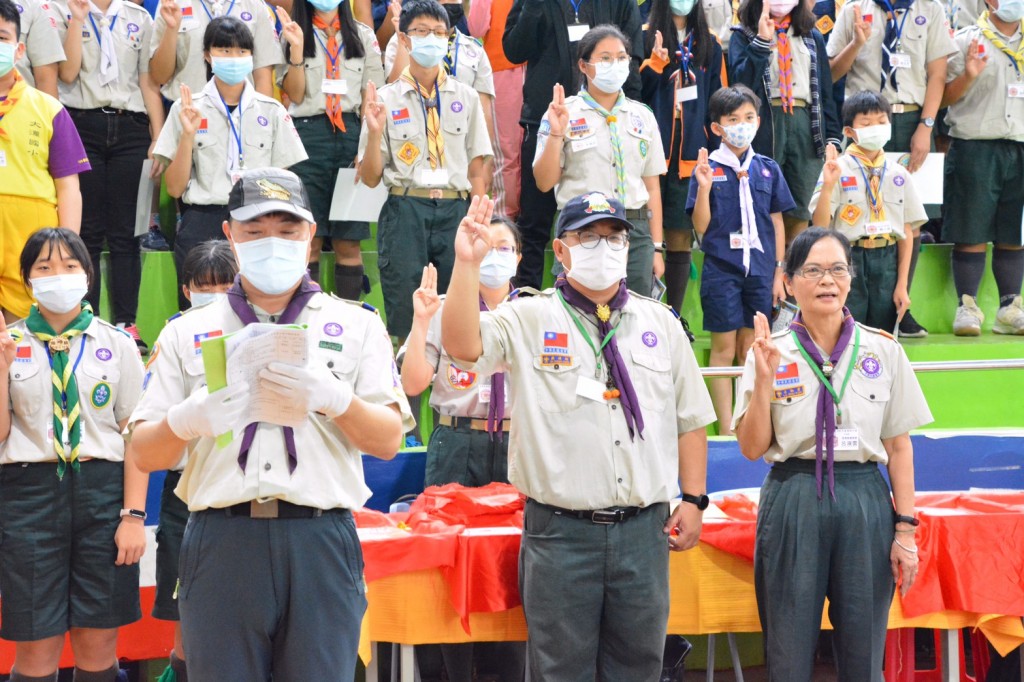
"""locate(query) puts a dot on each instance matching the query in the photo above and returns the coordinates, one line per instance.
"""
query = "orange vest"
(492, 43)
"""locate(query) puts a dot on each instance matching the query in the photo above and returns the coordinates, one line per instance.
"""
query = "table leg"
(711, 658)
(735, 654)
(950, 656)
(373, 669)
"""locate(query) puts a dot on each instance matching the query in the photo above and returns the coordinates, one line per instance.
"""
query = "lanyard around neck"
(874, 197)
(827, 381)
(586, 335)
(332, 57)
(96, 30)
(423, 103)
(235, 132)
(202, 4)
(74, 368)
(898, 28)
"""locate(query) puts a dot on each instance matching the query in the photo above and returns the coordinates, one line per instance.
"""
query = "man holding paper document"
(270, 499)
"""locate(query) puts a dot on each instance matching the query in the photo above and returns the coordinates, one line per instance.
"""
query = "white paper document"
(928, 179)
(144, 200)
(250, 351)
(355, 201)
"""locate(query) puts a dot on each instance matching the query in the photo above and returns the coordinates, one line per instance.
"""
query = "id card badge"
(736, 240)
(331, 86)
(437, 177)
(878, 229)
(846, 440)
(899, 60)
(585, 143)
(1015, 90)
(686, 94)
(590, 388)
(577, 31)
(236, 175)
(484, 393)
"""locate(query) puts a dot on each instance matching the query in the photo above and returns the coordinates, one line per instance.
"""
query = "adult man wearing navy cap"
(614, 423)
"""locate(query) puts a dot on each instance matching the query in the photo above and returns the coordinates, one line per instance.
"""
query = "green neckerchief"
(65, 385)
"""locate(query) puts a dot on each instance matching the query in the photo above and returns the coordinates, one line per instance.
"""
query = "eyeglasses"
(424, 32)
(838, 271)
(590, 240)
(608, 60)
(505, 248)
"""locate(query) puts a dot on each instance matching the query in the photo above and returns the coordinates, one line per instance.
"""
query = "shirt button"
(330, 363)
(615, 407)
(17, 376)
(104, 377)
(872, 396)
(266, 467)
(273, 318)
(620, 480)
(617, 442)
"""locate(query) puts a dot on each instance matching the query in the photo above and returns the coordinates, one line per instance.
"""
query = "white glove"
(313, 391)
(206, 414)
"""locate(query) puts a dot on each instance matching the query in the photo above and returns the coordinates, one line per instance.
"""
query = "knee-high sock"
(1008, 269)
(348, 281)
(179, 667)
(677, 276)
(108, 675)
(314, 271)
(18, 677)
(968, 268)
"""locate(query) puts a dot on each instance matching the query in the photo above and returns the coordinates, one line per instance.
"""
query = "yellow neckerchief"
(15, 94)
(1016, 56)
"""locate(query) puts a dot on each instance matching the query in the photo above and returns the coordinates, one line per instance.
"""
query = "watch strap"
(901, 518)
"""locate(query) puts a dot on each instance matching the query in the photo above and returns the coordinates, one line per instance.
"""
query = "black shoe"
(154, 240)
(910, 329)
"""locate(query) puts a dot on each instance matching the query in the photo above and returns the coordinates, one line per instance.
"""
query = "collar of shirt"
(406, 87)
(314, 303)
(112, 11)
(245, 102)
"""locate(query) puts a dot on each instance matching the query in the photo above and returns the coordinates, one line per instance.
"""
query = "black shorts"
(173, 517)
(57, 551)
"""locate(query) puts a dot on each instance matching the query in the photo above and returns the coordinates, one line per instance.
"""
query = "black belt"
(638, 213)
(108, 111)
(273, 509)
(604, 517)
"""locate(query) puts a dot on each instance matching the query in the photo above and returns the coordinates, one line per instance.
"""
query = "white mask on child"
(873, 138)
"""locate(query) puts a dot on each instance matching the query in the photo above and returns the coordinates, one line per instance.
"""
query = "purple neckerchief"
(496, 406)
(826, 416)
(617, 368)
(239, 303)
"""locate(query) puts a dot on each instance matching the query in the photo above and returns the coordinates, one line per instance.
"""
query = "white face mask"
(272, 265)
(60, 293)
(497, 269)
(597, 268)
(780, 8)
(873, 138)
(610, 78)
(201, 298)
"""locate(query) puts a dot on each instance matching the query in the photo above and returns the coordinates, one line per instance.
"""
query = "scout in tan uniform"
(901, 50)
(177, 47)
(984, 189)
(211, 137)
(105, 86)
(873, 202)
(608, 143)
(427, 139)
(331, 60)
(277, 495)
(826, 520)
(613, 424)
(43, 51)
(71, 500)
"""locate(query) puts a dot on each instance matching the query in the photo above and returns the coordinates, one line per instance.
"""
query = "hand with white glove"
(209, 414)
(312, 390)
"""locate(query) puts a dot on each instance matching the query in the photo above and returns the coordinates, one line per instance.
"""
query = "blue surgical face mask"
(610, 78)
(497, 269)
(231, 70)
(273, 265)
(1010, 11)
(681, 8)
(325, 5)
(7, 52)
(428, 50)
(201, 298)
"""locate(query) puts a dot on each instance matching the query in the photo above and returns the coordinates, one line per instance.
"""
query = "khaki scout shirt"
(356, 73)
(986, 111)
(925, 39)
(268, 139)
(109, 375)
(883, 399)
(851, 208)
(801, 68)
(403, 145)
(131, 29)
(470, 63)
(189, 65)
(39, 34)
(344, 339)
(575, 452)
(586, 157)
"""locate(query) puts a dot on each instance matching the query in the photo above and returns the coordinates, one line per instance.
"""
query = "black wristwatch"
(900, 518)
(134, 513)
(701, 501)
(928, 121)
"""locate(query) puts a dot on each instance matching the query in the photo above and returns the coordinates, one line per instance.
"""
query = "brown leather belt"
(776, 102)
(474, 424)
(424, 193)
(875, 241)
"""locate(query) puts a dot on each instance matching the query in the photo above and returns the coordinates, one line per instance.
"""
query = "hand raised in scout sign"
(473, 240)
(831, 171)
(290, 30)
(395, 8)
(79, 10)
(373, 110)
(766, 25)
(189, 116)
(8, 348)
(976, 60)
(170, 12)
(766, 355)
(558, 114)
(659, 51)
(861, 28)
(702, 171)
(425, 300)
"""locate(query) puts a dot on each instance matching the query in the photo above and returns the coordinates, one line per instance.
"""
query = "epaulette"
(779, 334)
(16, 334)
(527, 292)
(876, 330)
(362, 304)
(175, 316)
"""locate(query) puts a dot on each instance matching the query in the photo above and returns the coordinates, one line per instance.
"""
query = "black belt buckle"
(607, 517)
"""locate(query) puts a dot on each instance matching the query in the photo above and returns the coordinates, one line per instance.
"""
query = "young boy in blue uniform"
(737, 204)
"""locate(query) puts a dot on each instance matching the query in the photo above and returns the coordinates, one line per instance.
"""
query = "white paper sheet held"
(250, 351)
(356, 201)
(928, 179)
(144, 200)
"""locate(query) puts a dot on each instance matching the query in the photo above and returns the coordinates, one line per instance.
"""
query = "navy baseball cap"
(267, 190)
(590, 208)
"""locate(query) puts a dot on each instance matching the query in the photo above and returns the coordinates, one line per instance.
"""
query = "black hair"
(660, 19)
(585, 48)
(226, 32)
(54, 238)
(513, 229)
(9, 13)
(727, 100)
(801, 17)
(796, 254)
(865, 102)
(421, 8)
(209, 263)
(302, 14)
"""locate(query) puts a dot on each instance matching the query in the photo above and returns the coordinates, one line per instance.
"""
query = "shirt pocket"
(792, 412)
(455, 125)
(208, 157)
(27, 396)
(555, 388)
(868, 402)
(257, 151)
(652, 380)
(97, 384)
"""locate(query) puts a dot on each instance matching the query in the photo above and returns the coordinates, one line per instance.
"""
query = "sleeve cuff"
(655, 63)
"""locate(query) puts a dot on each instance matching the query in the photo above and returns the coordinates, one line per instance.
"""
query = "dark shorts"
(729, 299)
(674, 191)
(874, 281)
(983, 195)
(329, 150)
(173, 517)
(796, 156)
(57, 551)
(461, 455)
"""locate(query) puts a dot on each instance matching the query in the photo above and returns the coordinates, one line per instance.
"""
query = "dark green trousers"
(874, 281)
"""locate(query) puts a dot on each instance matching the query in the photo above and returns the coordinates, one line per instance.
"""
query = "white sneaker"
(968, 317)
(1010, 318)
